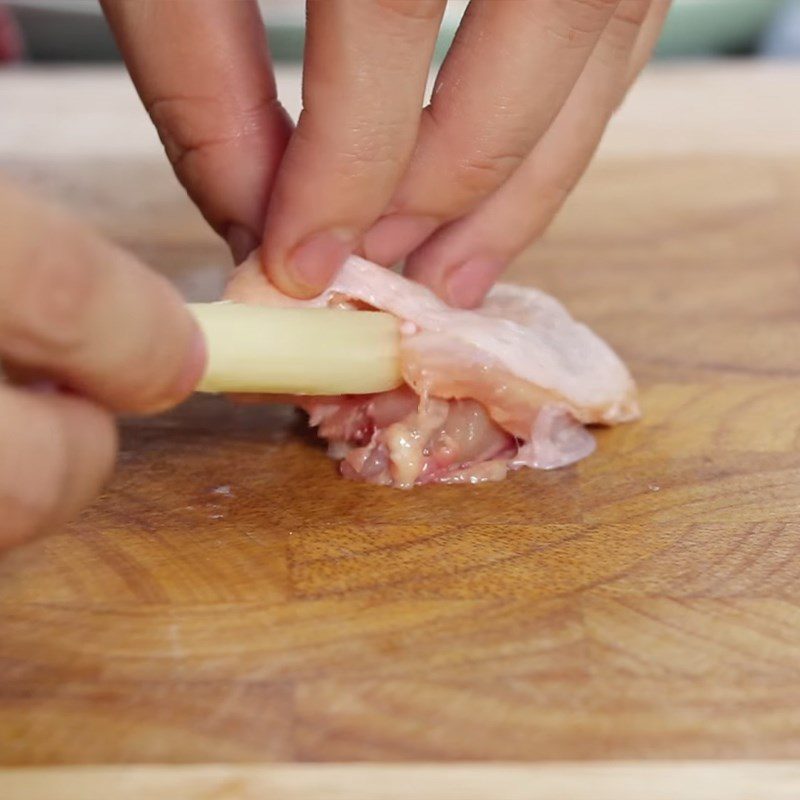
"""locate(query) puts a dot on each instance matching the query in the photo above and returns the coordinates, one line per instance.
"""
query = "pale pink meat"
(509, 385)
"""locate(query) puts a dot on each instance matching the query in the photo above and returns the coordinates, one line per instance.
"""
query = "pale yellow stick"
(298, 351)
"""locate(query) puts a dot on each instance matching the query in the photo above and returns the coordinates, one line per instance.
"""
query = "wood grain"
(230, 598)
(555, 781)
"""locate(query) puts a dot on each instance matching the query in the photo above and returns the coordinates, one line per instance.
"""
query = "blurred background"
(74, 31)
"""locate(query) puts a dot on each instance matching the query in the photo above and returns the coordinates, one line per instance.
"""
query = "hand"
(85, 331)
(458, 189)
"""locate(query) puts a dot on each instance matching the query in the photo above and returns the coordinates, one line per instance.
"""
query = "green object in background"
(697, 28)
(286, 41)
(694, 28)
(73, 30)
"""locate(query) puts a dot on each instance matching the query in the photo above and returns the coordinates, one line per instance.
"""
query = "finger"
(463, 260)
(24, 377)
(365, 71)
(507, 74)
(647, 38)
(202, 69)
(55, 454)
(89, 315)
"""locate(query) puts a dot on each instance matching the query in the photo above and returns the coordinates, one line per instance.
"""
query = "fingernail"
(314, 262)
(394, 236)
(468, 284)
(241, 242)
(195, 365)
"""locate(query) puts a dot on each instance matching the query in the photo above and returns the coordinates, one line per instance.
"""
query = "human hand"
(85, 331)
(458, 189)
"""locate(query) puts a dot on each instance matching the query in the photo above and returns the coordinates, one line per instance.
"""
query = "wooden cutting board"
(229, 598)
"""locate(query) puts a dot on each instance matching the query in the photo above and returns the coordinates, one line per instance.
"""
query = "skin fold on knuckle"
(577, 23)
(619, 37)
(632, 13)
(192, 127)
(425, 10)
(482, 172)
(456, 171)
(474, 177)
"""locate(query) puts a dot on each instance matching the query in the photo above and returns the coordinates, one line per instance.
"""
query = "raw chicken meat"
(509, 385)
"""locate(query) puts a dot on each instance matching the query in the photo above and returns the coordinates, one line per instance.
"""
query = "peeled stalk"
(253, 349)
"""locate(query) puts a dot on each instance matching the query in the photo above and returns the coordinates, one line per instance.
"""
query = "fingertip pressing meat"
(509, 385)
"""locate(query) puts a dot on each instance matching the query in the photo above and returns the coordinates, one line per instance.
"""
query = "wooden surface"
(727, 780)
(230, 599)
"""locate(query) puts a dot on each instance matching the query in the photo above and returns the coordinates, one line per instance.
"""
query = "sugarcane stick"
(253, 349)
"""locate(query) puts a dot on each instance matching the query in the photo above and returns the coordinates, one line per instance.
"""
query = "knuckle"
(577, 23)
(366, 147)
(589, 7)
(481, 173)
(425, 10)
(190, 126)
(369, 150)
(619, 37)
(632, 12)
(51, 295)
(477, 169)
